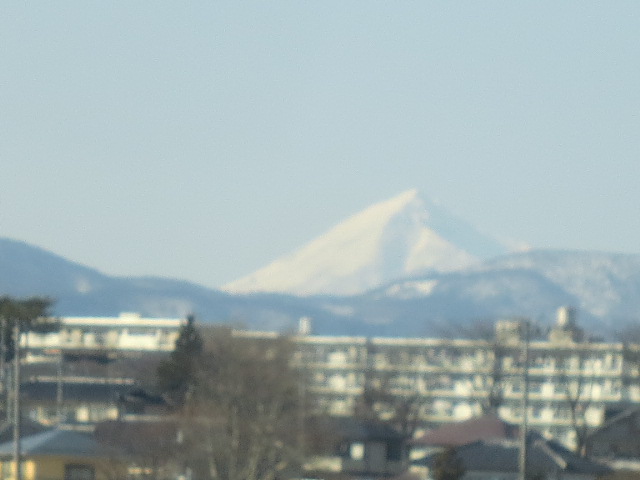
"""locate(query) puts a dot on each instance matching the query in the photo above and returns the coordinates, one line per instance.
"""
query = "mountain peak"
(405, 197)
(400, 236)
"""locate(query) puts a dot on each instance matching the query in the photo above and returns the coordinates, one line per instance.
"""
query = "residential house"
(499, 459)
(150, 449)
(57, 454)
(355, 448)
(86, 401)
(487, 427)
(617, 441)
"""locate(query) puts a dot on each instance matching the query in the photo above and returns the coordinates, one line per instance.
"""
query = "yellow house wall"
(8, 470)
(52, 468)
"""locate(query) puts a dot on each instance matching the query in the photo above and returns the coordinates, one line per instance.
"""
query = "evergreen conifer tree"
(176, 375)
(31, 314)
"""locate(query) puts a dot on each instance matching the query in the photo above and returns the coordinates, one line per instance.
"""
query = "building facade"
(129, 332)
(87, 371)
(571, 382)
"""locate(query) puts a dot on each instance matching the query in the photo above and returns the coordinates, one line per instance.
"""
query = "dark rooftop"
(502, 456)
(462, 433)
(55, 442)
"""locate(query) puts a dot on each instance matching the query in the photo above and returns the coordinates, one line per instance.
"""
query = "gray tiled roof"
(55, 442)
(27, 427)
(502, 456)
(357, 429)
(74, 392)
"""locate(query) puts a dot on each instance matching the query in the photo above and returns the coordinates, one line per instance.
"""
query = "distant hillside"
(604, 287)
(26, 270)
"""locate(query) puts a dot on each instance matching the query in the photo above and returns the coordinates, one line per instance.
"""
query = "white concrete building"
(456, 379)
(129, 332)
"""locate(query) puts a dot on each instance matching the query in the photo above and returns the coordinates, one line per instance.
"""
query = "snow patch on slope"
(602, 281)
(411, 289)
(83, 285)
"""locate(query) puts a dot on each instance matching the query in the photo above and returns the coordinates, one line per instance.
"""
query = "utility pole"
(16, 400)
(20, 314)
(59, 390)
(522, 459)
(3, 374)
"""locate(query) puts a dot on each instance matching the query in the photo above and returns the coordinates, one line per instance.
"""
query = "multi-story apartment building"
(129, 332)
(571, 382)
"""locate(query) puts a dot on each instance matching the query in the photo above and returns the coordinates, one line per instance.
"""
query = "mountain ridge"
(532, 284)
(401, 267)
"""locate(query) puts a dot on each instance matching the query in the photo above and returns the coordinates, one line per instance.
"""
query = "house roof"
(27, 427)
(625, 416)
(138, 437)
(618, 438)
(55, 442)
(349, 428)
(75, 392)
(468, 431)
(502, 456)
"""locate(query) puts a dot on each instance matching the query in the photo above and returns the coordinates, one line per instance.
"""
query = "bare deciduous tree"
(497, 349)
(577, 381)
(243, 418)
(383, 400)
(630, 338)
(151, 448)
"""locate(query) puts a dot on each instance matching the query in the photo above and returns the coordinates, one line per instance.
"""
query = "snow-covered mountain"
(403, 236)
(604, 287)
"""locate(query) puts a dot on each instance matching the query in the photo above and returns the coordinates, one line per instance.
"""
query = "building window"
(535, 387)
(394, 451)
(140, 331)
(356, 451)
(75, 471)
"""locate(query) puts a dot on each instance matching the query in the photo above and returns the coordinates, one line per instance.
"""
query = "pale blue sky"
(201, 140)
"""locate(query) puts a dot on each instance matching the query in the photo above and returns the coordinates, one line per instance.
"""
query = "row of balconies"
(541, 419)
(612, 366)
(543, 386)
(441, 410)
(509, 396)
(431, 373)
